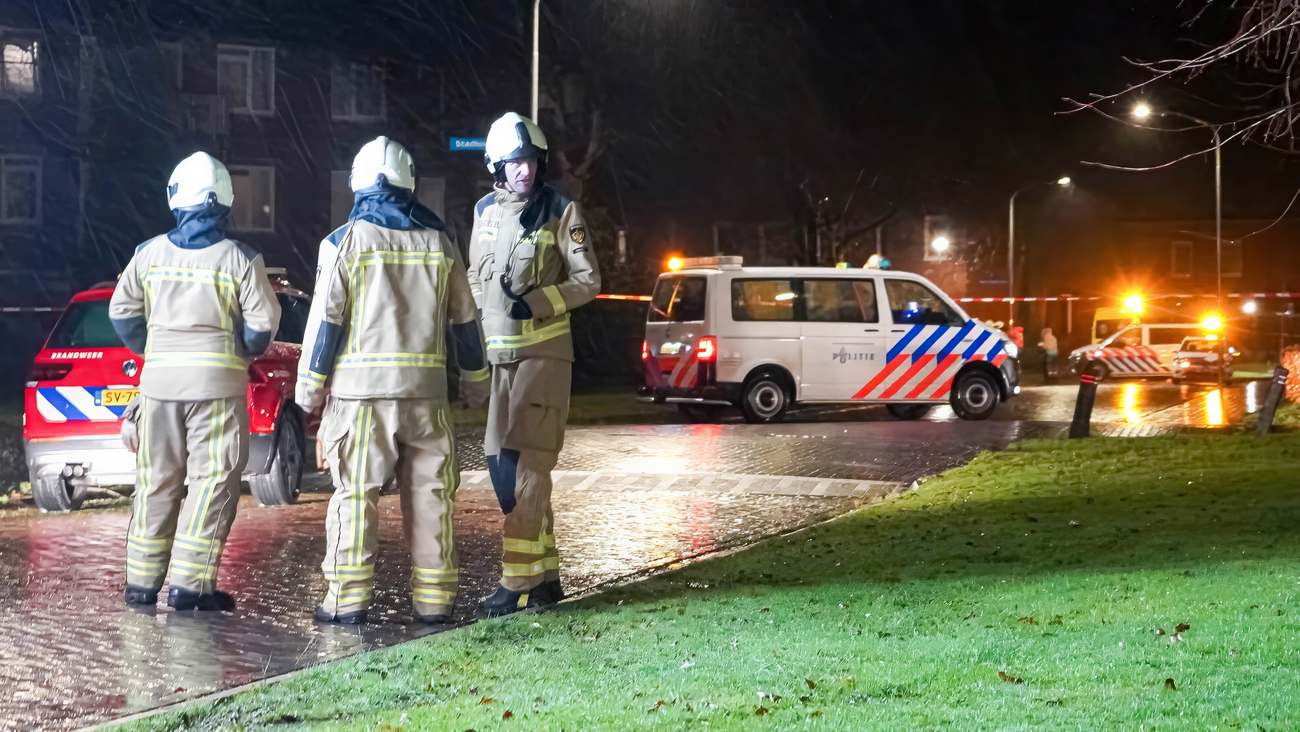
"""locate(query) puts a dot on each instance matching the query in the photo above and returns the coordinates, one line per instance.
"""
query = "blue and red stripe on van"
(935, 358)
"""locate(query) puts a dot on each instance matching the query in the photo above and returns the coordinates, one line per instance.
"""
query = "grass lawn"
(1108, 583)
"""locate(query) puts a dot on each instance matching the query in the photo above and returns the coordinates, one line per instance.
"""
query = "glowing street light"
(1064, 182)
(941, 244)
(1141, 112)
(1250, 307)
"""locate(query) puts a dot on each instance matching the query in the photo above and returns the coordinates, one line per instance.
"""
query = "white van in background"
(1140, 351)
(719, 334)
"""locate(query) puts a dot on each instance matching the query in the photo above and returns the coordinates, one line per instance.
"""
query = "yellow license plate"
(117, 397)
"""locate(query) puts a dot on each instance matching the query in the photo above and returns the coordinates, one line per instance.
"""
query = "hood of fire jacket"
(199, 227)
(393, 208)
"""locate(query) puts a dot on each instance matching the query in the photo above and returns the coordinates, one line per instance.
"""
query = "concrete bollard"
(1276, 387)
(1088, 380)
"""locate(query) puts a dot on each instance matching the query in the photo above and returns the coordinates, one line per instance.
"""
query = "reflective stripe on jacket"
(201, 307)
(541, 245)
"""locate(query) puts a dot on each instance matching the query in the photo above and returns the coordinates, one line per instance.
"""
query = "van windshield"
(678, 300)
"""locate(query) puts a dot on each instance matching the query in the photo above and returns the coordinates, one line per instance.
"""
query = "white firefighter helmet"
(199, 179)
(512, 137)
(382, 156)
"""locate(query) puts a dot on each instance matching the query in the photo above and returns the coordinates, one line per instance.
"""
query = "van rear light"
(48, 372)
(645, 350)
(707, 349)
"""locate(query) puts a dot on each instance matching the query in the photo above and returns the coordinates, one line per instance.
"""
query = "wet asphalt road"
(633, 499)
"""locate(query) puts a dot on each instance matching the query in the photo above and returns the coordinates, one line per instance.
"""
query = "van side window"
(1169, 336)
(764, 299)
(913, 303)
(678, 300)
(840, 301)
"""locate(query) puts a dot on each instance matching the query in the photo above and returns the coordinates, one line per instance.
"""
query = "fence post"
(1276, 387)
(1088, 380)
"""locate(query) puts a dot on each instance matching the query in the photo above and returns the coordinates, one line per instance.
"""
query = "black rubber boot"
(141, 596)
(505, 602)
(439, 619)
(547, 593)
(182, 600)
(353, 618)
(502, 602)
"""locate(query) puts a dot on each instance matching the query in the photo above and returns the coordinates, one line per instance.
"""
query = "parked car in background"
(83, 379)
(1199, 357)
(719, 335)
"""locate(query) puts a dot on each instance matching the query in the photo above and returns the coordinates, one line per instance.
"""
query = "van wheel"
(765, 399)
(281, 486)
(975, 396)
(703, 413)
(908, 411)
(53, 494)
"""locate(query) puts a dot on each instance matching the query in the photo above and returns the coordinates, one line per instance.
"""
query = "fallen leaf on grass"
(817, 713)
(760, 711)
(1074, 524)
(507, 714)
(1170, 685)
(1029, 620)
(1160, 631)
(805, 699)
(658, 705)
(487, 700)
(1181, 627)
(810, 683)
(1009, 678)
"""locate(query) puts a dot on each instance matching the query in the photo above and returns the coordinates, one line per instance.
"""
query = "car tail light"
(48, 372)
(645, 350)
(707, 349)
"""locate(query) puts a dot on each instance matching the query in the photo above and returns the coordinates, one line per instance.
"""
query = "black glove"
(519, 309)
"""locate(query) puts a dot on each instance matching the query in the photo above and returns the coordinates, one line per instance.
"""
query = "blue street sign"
(461, 144)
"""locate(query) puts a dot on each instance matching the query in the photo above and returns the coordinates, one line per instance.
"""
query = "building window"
(173, 64)
(254, 208)
(246, 78)
(1181, 262)
(19, 74)
(356, 91)
(20, 189)
(1232, 258)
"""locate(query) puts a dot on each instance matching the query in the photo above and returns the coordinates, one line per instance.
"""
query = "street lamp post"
(537, 53)
(1143, 111)
(1063, 181)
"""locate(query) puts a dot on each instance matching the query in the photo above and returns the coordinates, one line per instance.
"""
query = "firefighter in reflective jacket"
(530, 264)
(390, 294)
(198, 305)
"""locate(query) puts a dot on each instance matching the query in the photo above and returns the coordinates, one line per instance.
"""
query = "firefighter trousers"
(527, 412)
(188, 465)
(368, 443)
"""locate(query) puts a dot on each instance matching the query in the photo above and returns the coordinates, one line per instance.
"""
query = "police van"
(1138, 351)
(719, 334)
